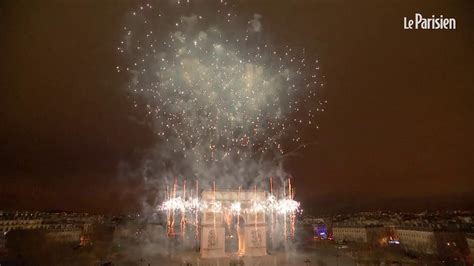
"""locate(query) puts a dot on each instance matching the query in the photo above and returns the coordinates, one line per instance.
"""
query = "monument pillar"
(255, 235)
(212, 235)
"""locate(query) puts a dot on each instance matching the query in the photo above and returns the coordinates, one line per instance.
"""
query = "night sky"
(397, 134)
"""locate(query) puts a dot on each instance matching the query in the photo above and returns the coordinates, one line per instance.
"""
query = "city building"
(419, 240)
(373, 235)
(350, 234)
(19, 221)
(65, 235)
(57, 226)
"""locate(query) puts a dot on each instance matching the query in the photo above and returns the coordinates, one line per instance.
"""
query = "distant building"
(350, 234)
(64, 235)
(19, 223)
(374, 235)
(57, 226)
(312, 221)
(449, 246)
(419, 240)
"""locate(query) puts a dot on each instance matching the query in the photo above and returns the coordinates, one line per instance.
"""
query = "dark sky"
(398, 131)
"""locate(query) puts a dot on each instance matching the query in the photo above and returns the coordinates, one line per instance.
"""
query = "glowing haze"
(225, 103)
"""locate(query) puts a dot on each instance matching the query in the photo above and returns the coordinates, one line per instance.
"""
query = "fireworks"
(178, 204)
(283, 206)
(235, 208)
(213, 88)
(174, 204)
(286, 206)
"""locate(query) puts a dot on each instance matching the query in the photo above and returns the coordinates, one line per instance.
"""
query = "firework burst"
(214, 88)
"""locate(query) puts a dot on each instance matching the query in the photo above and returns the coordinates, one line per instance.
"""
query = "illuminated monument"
(231, 226)
(228, 231)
